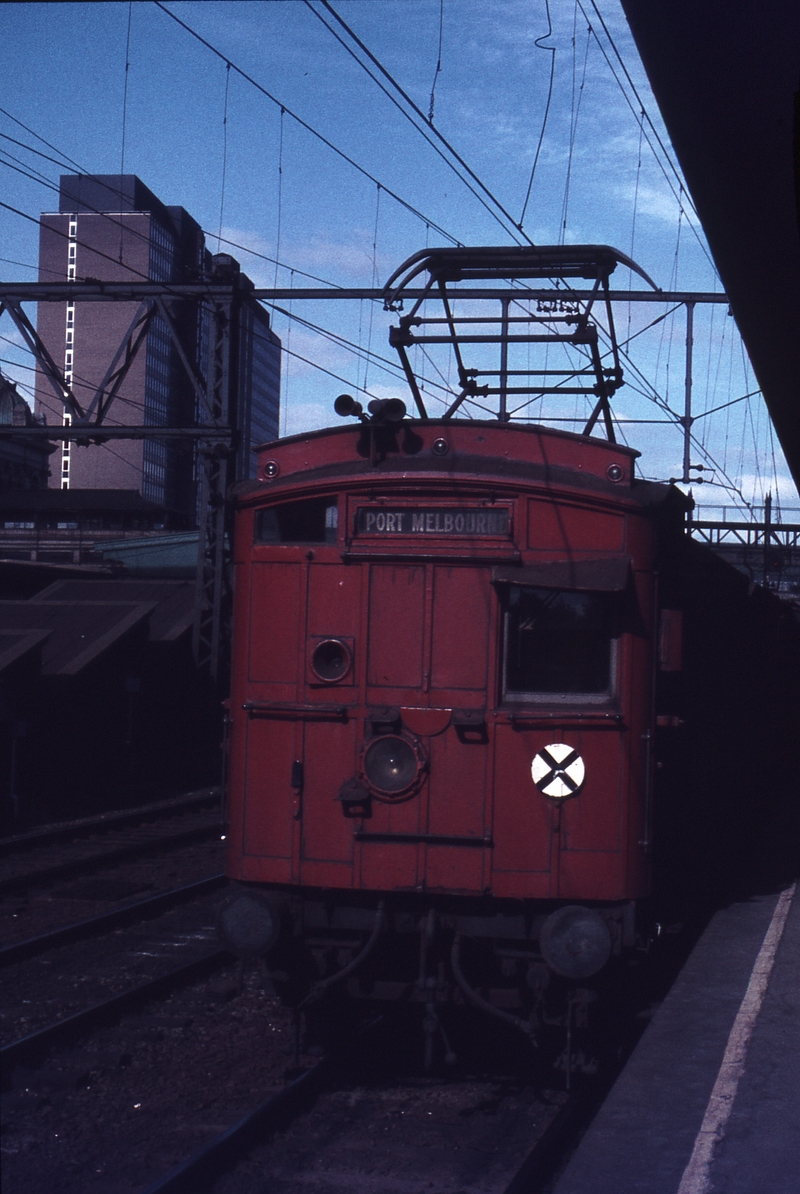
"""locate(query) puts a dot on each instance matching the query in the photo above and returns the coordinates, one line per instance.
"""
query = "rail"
(95, 926)
(37, 1044)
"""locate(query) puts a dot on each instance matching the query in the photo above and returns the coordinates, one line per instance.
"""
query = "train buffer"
(710, 1098)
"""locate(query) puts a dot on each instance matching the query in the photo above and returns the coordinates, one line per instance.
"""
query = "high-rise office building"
(113, 228)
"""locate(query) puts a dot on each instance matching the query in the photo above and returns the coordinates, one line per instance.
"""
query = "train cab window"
(560, 645)
(311, 521)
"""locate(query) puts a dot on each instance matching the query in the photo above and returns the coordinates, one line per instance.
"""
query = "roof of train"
(462, 451)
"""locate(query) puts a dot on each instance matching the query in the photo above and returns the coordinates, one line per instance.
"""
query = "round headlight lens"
(331, 660)
(391, 764)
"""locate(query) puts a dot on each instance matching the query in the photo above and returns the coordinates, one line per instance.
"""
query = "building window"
(70, 315)
(71, 272)
(73, 248)
(69, 335)
(73, 228)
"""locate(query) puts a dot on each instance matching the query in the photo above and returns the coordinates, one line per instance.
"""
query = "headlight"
(392, 766)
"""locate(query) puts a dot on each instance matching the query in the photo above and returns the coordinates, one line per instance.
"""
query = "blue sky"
(597, 180)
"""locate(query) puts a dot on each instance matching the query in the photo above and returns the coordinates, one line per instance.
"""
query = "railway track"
(33, 1047)
(95, 926)
(204, 1168)
(204, 1058)
(86, 826)
(159, 926)
(364, 1119)
(56, 853)
(325, 1133)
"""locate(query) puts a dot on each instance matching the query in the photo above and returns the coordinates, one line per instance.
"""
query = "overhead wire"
(30, 149)
(44, 181)
(422, 130)
(57, 232)
(438, 70)
(664, 149)
(224, 149)
(650, 392)
(280, 201)
(575, 115)
(552, 51)
(72, 161)
(303, 123)
(374, 279)
(391, 367)
(225, 240)
(440, 137)
(700, 239)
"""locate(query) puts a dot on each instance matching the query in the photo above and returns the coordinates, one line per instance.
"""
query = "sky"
(512, 84)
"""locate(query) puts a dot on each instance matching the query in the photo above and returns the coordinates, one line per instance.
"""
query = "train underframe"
(536, 966)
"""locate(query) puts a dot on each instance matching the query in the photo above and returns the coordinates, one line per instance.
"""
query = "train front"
(442, 678)
(441, 709)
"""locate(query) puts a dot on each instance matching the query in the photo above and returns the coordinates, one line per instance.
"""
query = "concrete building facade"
(113, 228)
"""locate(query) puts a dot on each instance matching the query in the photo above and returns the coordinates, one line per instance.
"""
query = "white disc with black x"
(558, 770)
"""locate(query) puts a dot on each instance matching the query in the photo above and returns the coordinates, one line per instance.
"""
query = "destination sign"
(432, 520)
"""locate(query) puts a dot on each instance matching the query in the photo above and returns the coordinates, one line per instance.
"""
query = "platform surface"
(644, 1136)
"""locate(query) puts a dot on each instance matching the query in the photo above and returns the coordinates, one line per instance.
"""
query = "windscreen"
(559, 643)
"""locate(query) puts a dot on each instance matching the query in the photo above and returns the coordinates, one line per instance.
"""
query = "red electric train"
(448, 638)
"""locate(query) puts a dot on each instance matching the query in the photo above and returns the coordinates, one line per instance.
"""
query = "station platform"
(710, 1098)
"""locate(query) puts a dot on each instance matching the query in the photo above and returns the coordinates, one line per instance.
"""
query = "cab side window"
(311, 521)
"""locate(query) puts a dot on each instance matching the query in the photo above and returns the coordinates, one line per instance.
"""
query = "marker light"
(331, 660)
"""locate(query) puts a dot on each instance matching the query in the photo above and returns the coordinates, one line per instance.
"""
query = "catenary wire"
(423, 131)
(552, 51)
(493, 199)
(664, 149)
(662, 168)
(224, 149)
(125, 111)
(438, 70)
(304, 124)
(243, 247)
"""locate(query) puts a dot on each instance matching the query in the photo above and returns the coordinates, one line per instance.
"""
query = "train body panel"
(443, 664)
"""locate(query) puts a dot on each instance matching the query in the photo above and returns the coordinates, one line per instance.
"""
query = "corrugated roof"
(79, 633)
(16, 643)
(171, 601)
